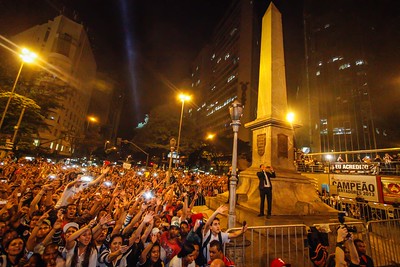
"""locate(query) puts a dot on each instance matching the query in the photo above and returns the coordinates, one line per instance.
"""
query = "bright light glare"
(184, 97)
(290, 117)
(329, 157)
(92, 119)
(210, 136)
(27, 56)
(107, 183)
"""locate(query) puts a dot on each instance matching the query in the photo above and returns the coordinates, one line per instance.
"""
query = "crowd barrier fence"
(261, 244)
(366, 211)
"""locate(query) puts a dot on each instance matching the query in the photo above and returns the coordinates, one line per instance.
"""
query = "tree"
(45, 90)
(163, 124)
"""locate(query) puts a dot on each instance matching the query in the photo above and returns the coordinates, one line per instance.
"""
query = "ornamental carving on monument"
(261, 142)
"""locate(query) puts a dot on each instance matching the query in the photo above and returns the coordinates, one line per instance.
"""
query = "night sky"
(148, 45)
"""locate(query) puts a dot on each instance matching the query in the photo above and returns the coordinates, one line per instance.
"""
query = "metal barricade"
(365, 211)
(384, 241)
(262, 244)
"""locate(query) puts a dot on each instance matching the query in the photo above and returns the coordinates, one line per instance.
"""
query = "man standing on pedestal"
(265, 187)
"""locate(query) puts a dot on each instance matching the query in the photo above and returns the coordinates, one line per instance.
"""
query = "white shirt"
(177, 262)
(266, 180)
(70, 255)
(206, 250)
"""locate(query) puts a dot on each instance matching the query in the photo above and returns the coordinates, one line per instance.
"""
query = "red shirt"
(228, 262)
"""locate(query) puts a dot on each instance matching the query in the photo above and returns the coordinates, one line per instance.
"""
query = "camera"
(341, 218)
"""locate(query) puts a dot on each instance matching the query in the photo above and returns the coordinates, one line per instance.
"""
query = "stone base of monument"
(295, 200)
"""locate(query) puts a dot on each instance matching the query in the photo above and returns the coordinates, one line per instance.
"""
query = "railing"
(372, 168)
(262, 244)
(365, 211)
(384, 240)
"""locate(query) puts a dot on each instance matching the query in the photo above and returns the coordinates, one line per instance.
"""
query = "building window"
(360, 62)
(231, 78)
(318, 73)
(344, 66)
(46, 36)
(64, 42)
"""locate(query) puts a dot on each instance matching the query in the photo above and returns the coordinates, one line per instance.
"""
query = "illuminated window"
(36, 142)
(231, 78)
(360, 62)
(62, 148)
(320, 63)
(219, 59)
(344, 66)
(51, 145)
(213, 56)
(56, 146)
(226, 56)
(327, 26)
(318, 73)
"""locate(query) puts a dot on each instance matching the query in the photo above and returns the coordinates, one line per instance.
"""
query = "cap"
(278, 262)
(155, 231)
(175, 222)
(71, 224)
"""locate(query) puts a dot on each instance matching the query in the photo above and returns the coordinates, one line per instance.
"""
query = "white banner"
(351, 186)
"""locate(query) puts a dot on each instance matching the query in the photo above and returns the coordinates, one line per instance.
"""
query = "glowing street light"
(91, 119)
(28, 57)
(210, 136)
(183, 98)
(290, 117)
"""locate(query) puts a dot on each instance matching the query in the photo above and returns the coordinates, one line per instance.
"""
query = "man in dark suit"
(265, 187)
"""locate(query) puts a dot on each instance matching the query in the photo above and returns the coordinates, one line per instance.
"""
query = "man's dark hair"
(36, 213)
(217, 244)
(357, 240)
(216, 219)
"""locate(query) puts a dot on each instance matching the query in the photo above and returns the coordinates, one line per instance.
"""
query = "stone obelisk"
(293, 194)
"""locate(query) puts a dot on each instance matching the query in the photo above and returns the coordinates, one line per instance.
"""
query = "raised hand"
(148, 217)
(124, 249)
(222, 209)
(153, 238)
(105, 219)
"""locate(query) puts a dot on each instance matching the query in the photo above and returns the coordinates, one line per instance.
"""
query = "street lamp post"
(90, 119)
(135, 145)
(106, 144)
(183, 98)
(236, 111)
(16, 128)
(28, 57)
(172, 144)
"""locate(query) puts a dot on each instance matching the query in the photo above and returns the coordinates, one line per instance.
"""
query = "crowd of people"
(62, 215)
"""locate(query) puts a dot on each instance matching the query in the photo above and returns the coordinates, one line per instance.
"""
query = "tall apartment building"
(337, 38)
(227, 69)
(65, 45)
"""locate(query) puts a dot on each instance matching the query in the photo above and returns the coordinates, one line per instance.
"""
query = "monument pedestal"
(292, 194)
